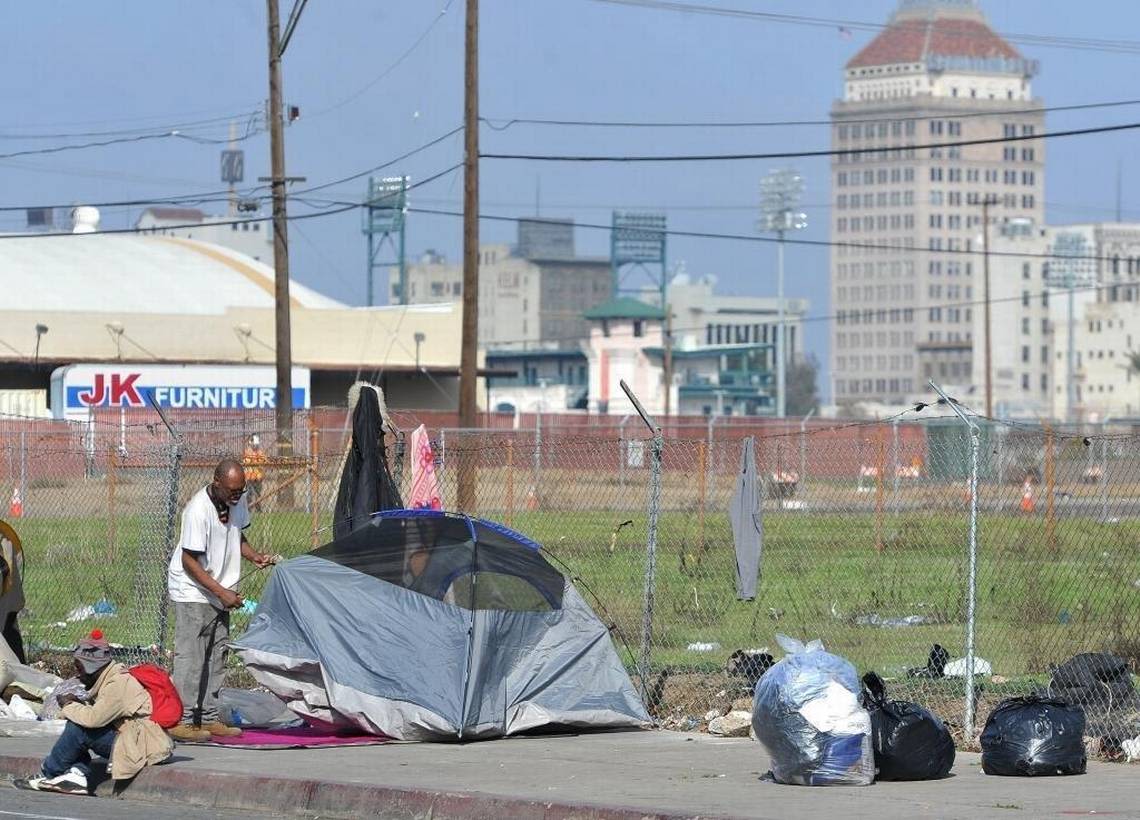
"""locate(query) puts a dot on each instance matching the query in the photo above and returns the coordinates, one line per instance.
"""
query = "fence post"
(702, 494)
(880, 468)
(972, 576)
(111, 479)
(622, 450)
(1050, 490)
(896, 502)
(538, 455)
(173, 480)
(315, 480)
(1104, 476)
(972, 584)
(24, 471)
(510, 482)
(645, 657)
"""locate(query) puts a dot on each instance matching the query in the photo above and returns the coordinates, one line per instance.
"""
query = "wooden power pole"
(282, 334)
(468, 358)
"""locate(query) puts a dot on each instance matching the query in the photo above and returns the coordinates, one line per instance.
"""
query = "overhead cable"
(837, 152)
(503, 123)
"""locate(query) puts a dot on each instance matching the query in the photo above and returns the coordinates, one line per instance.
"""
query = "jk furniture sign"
(76, 389)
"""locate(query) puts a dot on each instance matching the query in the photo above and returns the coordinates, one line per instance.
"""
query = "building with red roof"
(907, 269)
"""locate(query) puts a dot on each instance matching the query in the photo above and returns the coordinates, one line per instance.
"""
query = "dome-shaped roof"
(925, 29)
(136, 274)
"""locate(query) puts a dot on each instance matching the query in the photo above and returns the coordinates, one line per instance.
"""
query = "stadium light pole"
(780, 192)
(1068, 270)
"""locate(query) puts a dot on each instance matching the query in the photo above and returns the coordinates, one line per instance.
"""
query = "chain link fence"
(906, 546)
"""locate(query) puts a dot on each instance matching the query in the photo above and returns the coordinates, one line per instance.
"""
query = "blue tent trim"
(502, 529)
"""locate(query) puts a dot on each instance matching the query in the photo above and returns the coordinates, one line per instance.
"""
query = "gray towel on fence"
(747, 523)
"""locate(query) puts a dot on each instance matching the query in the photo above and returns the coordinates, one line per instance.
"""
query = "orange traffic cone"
(1027, 505)
(16, 506)
(532, 499)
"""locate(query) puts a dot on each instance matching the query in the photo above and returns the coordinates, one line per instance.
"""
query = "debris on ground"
(734, 724)
(958, 668)
(935, 665)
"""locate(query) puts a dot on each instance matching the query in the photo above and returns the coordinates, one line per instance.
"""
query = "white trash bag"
(807, 715)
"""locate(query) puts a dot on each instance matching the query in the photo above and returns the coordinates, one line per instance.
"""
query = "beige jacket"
(120, 700)
(12, 587)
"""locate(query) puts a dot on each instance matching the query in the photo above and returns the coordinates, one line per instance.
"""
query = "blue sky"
(76, 67)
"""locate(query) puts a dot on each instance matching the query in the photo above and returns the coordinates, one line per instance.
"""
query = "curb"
(226, 790)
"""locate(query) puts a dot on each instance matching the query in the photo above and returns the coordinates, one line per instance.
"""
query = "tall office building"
(905, 299)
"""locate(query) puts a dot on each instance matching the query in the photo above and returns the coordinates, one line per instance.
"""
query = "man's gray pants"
(201, 643)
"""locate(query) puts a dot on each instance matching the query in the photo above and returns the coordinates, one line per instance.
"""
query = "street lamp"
(41, 329)
(419, 337)
(779, 194)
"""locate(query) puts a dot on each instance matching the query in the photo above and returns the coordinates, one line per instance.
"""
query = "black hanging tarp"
(366, 485)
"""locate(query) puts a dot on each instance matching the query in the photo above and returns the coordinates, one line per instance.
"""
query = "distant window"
(257, 226)
(638, 328)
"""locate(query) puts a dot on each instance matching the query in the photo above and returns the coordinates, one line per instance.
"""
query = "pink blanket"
(300, 737)
(425, 493)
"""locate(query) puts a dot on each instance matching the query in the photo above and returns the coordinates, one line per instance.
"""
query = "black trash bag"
(909, 741)
(1034, 736)
(935, 664)
(750, 664)
(1093, 679)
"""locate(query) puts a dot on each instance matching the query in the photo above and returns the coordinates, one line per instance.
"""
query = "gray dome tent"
(424, 625)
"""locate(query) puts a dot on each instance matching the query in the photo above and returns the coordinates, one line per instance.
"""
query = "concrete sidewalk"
(618, 776)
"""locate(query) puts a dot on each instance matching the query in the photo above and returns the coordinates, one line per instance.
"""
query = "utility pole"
(466, 495)
(668, 360)
(987, 201)
(282, 334)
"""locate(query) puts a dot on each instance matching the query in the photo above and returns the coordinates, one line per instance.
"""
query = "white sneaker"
(72, 781)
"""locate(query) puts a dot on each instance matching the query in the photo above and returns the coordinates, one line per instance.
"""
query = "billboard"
(77, 389)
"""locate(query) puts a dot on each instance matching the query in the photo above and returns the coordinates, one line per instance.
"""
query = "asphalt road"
(20, 805)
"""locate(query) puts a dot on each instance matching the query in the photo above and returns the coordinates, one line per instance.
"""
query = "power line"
(383, 165)
(341, 208)
(816, 243)
(391, 67)
(57, 149)
(249, 193)
(77, 123)
(176, 126)
(1074, 132)
(502, 124)
(1044, 40)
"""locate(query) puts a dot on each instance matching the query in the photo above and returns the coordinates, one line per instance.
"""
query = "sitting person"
(113, 723)
(11, 590)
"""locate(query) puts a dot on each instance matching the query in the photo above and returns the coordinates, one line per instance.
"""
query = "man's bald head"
(229, 468)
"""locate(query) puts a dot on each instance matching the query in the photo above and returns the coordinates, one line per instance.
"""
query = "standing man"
(253, 459)
(202, 581)
(11, 589)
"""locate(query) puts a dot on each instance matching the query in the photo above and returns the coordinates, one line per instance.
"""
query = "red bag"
(165, 705)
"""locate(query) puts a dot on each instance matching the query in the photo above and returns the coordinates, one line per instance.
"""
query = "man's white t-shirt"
(217, 546)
